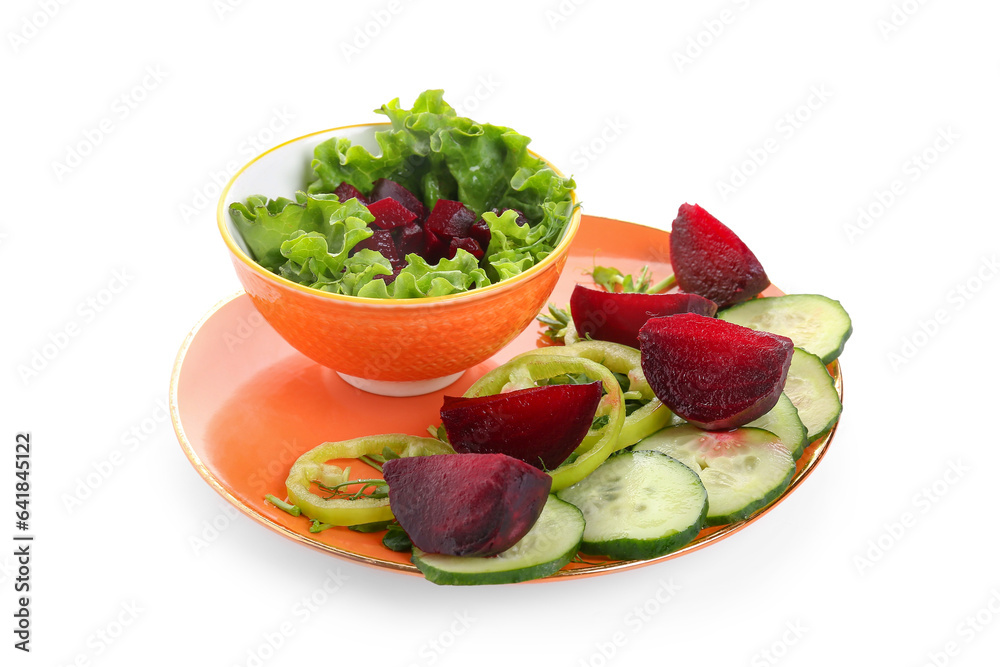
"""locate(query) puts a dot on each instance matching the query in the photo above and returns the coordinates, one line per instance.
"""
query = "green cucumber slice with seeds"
(811, 389)
(783, 421)
(815, 323)
(551, 543)
(639, 505)
(743, 470)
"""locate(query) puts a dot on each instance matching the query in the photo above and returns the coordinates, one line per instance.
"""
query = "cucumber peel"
(743, 470)
(811, 389)
(783, 421)
(814, 322)
(639, 505)
(544, 550)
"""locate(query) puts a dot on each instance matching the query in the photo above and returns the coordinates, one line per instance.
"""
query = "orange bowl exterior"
(396, 340)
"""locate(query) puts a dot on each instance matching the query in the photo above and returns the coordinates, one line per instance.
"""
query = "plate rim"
(215, 483)
(819, 448)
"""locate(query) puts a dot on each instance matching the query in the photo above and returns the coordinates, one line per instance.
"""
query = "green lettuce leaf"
(266, 224)
(513, 247)
(308, 260)
(449, 276)
(362, 271)
(436, 154)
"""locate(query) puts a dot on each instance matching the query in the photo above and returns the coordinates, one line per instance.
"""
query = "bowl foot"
(409, 388)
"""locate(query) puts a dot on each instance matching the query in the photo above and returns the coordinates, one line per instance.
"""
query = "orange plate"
(245, 404)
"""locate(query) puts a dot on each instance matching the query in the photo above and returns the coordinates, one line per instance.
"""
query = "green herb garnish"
(282, 505)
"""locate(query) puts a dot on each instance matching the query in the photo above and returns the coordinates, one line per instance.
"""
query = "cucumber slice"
(811, 390)
(545, 549)
(743, 470)
(815, 323)
(783, 421)
(639, 505)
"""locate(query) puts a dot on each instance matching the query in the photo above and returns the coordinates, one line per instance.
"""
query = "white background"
(601, 89)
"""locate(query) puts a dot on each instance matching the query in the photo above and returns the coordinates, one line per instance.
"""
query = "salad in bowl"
(445, 205)
(400, 254)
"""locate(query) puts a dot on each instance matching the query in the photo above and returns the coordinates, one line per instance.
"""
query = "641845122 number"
(22, 515)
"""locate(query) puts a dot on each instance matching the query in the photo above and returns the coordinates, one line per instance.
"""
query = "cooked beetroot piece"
(410, 239)
(465, 244)
(714, 374)
(390, 214)
(381, 241)
(539, 425)
(465, 504)
(435, 247)
(396, 270)
(450, 219)
(383, 188)
(346, 191)
(710, 260)
(480, 233)
(617, 317)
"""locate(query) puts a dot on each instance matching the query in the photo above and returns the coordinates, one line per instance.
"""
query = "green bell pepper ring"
(532, 370)
(312, 466)
(644, 421)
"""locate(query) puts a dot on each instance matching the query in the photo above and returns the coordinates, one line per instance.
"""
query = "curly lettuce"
(266, 225)
(436, 154)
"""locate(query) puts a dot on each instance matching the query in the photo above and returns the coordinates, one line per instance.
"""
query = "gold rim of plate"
(594, 564)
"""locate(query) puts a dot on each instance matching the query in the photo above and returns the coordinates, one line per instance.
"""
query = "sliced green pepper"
(644, 421)
(313, 467)
(532, 370)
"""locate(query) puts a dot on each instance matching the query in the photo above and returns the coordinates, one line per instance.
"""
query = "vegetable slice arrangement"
(445, 206)
(639, 483)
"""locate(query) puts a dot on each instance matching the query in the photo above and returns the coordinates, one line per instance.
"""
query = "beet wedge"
(435, 246)
(383, 188)
(390, 214)
(539, 425)
(711, 261)
(617, 317)
(381, 241)
(714, 374)
(410, 239)
(450, 219)
(346, 191)
(470, 245)
(481, 234)
(465, 504)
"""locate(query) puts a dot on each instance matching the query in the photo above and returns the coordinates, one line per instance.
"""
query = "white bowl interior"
(286, 169)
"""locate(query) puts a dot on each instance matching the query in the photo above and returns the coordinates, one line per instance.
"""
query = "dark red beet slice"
(381, 241)
(450, 219)
(410, 239)
(714, 374)
(465, 244)
(480, 233)
(540, 425)
(465, 504)
(346, 191)
(435, 247)
(390, 214)
(710, 260)
(617, 317)
(383, 188)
